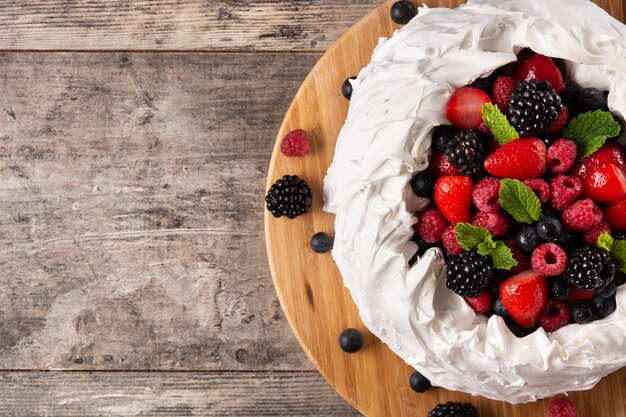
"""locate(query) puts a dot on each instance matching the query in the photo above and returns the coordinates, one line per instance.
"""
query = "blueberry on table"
(351, 340)
(346, 88)
(418, 382)
(321, 242)
(402, 12)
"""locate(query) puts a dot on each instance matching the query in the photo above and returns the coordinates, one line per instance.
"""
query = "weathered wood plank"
(288, 394)
(131, 211)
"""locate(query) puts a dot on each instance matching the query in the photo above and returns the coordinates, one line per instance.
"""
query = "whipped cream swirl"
(397, 100)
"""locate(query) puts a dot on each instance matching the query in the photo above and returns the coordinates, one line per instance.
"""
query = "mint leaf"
(502, 257)
(487, 246)
(590, 131)
(605, 241)
(618, 254)
(519, 201)
(499, 125)
(469, 237)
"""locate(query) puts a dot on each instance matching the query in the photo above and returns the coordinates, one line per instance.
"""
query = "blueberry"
(321, 242)
(418, 382)
(346, 88)
(570, 95)
(442, 135)
(604, 306)
(499, 309)
(582, 313)
(620, 278)
(528, 238)
(559, 289)
(549, 228)
(608, 290)
(423, 184)
(351, 340)
(402, 12)
(590, 99)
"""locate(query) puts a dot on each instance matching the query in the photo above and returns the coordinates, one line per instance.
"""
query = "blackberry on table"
(451, 409)
(466, 151)
(589, 268)
(533, 107)
(290, 196)
(468, 274)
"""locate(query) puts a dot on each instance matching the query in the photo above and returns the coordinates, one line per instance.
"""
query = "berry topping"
(520, 159)
(482, 303)
(541, 189)
(561, 156)
(402, 12)
(582, 312)
(606, 185)
(449, 241)
(562, 407)
(564, 191)
(351, 340)
(589, 268)
(465, 108)
(541, 68)
(592, 235)
(289, 196)
(442, 135)
(560, 122)
(581, 215)
(431, 225)
(608, 290)
(451, 409)
(523, 261)
(549, 228)
(418, 382)
(524, 296)
(500, 310)
(534, 106)
(486, 195)
(423, 184)
(549, 260)
(616, 215)
(496, 223)
(466, 151)
(528, 239)
(502, 89)
(576, 295)
(559, 289)
(468, 274)
(321, 242)
(295, 143)
(440, 166)
(604, 306)
(453, 196)
(591, 99)
(610, 153)
(346, 88)
(555, 315)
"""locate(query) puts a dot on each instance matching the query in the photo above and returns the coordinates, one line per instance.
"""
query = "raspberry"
(441, 166)
(431, 225)
(541, 188)
(562, 407)
(449, 241)
(592, 235)
(564, 191)
(486, 195)
(523, 262)
(561, 156)
(560, 122)
(580, 295)
(582, 215)
(549, 259)
(295, 143)
(502, 89)
(482, 303)
(555, 315)
(496, 223)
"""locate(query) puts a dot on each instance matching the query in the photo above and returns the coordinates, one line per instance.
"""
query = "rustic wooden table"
(134, 143)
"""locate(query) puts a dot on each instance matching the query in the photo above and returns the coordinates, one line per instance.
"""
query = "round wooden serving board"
(311, 291)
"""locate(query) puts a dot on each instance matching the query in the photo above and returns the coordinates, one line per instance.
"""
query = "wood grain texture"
(311, 290)
(166, 394)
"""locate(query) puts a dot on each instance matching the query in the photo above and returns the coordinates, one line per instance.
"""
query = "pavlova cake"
(479, 189)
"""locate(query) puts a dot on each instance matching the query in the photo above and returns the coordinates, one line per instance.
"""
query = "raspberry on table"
(295, 143)
(431, 225)
(549, 259)
(541, 189)
(502, 89)
(449, 241)
(591, 236)
(555, 315)
(560, 122)
(496, 223)
(564, 190)
(561, 156)
(486, 195)
(582, 215)
(562, 407)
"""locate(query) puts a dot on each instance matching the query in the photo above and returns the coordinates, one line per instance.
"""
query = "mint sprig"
(590, 131)
(519, 201)
(479, 239)
(618, 254)
(499, 125)
(605, 241)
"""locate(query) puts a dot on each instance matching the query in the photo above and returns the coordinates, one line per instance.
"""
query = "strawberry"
(482, 303)
(524, 296)
(543, 68)
(502, 89)
(440, 165)
(465, 107)
(521, 159)
(615, 215)
(606, 185)
(610, 153)
(453, 197)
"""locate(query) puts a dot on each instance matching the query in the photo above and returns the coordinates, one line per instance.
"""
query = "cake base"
(311, 291)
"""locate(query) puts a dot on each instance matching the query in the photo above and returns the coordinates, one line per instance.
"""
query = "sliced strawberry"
(543, 68)
(610, 153)
(440, 165)
(522, 159)
(606, 185)
(502, 89)
(465, 108)
(453, 197)
(524, 296)
(615, 215)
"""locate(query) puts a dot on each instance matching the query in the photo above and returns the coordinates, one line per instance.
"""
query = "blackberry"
(589, 268)
(290, 196)
(442, 135)
(451, 409)
(469, 273)
(533, 107)
(466, 151)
